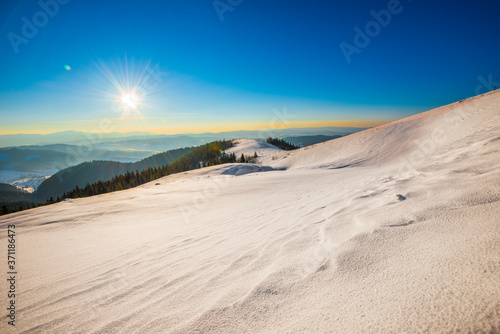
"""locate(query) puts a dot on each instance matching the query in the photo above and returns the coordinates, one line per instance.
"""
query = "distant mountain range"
(101, 140)
(12, 198)
(45, 157)
(90, 172)
(66, 137)
(29, 166)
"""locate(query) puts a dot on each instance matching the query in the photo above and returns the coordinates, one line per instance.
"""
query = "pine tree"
(242, 159)
(284, 145)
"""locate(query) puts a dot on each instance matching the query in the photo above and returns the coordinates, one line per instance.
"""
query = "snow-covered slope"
(394, 229)
(249, 147)
(423, 135)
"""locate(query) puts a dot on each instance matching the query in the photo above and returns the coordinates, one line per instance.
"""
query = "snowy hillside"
(249, 147)
(393, 229)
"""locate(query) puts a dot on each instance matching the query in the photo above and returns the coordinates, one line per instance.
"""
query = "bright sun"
(130, 101)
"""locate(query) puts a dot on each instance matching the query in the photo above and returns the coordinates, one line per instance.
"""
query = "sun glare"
(127, 87)
(129, 101)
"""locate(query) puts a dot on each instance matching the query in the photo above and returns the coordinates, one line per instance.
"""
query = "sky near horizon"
(194, 66)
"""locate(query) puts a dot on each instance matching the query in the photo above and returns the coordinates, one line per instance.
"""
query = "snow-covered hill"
(393, 229)
(249, 147)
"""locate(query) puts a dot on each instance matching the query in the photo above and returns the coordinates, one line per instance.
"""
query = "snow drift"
(393, 229)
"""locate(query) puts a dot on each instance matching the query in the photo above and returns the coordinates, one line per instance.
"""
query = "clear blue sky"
(232, 73)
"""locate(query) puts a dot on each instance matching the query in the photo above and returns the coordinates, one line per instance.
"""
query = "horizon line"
(203, 132)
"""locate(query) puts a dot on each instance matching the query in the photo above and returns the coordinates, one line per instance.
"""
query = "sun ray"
(126, 87)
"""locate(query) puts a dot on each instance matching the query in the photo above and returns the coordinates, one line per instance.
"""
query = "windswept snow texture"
(390, 230)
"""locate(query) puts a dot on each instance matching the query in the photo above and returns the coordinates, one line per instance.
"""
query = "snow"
(393, 229)
(248, 147)
(25, 180)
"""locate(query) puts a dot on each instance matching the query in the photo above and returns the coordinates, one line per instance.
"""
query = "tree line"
(9, 207)
(281, 143)
(210, 154)
(207, 155)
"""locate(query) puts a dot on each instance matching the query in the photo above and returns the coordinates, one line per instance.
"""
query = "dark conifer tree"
(284, 145)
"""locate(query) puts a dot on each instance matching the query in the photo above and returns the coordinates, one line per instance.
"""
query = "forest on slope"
(93, 171)
(13, 199)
